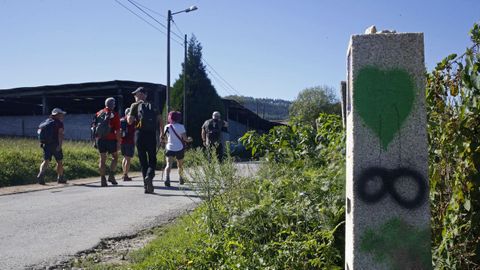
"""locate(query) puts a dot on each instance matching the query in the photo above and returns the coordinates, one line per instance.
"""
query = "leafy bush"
(453, 105)
(287, 217)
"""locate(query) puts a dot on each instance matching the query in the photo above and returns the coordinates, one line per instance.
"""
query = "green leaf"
(451, 56)
(467, 205)
(475, 79)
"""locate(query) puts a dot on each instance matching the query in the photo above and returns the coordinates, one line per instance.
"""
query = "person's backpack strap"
(176, 134)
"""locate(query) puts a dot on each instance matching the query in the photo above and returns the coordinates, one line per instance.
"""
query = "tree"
(202, 98)
(313, 101)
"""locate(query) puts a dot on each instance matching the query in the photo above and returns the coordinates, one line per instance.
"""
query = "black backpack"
(124, 127)
(214, 129)
(147, 117)
(46, 131)
(101, 124)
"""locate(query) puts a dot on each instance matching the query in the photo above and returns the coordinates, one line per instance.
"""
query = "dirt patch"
(111, 251)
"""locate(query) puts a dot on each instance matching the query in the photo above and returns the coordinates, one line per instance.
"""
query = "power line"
(215, 75)
(145, 7)
(153, 18)
(149, 23)
(233, 88)
(140, 17)
(146, 13)
(220, 83)
(176, 26)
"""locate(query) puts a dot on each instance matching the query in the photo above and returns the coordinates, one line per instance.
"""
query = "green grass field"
(20, 160)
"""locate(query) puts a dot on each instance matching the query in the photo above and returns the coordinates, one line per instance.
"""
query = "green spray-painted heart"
(383, 99)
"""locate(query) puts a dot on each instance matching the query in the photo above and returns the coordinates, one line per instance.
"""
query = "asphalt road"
(47, 226)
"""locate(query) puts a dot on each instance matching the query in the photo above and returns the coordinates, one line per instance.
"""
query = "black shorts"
(128, 150)
(177, 154)
(50, 150)
(105, 146)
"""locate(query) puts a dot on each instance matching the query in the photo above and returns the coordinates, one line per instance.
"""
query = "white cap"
(110, 103)
(216, 115)
(57, 111)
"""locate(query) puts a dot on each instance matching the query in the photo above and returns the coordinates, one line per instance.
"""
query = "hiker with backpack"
(51, 133)
(176, 137)
(127, 144)
(212, 133)
(106, 128)
(148, 121)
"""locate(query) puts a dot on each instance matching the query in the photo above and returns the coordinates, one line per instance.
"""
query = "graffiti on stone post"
(387, 186)
(384, 99)
(399, 245)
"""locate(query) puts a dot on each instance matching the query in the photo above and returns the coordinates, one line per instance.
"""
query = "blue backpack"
(46, 131)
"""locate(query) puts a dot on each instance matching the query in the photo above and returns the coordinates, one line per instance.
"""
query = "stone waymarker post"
(388, 214)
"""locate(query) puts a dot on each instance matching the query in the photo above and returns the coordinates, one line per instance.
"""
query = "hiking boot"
(167, 181)
(41, 179)
(61, 180)
(126, 178)
(148, 185)
(103, 181)
(182, 181)
(111, 179)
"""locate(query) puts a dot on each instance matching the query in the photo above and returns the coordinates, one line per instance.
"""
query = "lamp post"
(169, 18)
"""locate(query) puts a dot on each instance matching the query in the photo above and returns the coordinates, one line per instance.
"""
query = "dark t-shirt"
(222, 128)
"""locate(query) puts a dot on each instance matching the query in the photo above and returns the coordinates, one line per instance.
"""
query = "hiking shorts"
(50, 150)
(128, 150)
(177, 154)
(105, 146)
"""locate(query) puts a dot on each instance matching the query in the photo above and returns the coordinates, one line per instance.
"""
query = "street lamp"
(169, 18)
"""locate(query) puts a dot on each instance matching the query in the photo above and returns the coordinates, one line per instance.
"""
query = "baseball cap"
(216, 115)
(139, 89)
(110, 103)
(57, 111)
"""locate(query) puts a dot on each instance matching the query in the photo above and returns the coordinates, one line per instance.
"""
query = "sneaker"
(126, 178)
(111, 179)
(167, 181)
(41, 179)
(61, 180)
(103, 181)
(182, 181)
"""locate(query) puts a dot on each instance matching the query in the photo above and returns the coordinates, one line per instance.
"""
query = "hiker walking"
(107, 135)
(127, 144)
(212, 133)
(175, 145)
(148, 121)
(50, 133)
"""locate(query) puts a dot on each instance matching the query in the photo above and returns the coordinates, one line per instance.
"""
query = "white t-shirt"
(173, 142)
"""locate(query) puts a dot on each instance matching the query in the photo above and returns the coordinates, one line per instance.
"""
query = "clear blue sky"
(264, 48)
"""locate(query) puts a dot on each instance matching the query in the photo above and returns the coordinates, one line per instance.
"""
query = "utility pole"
(185, 84)
(167, 98)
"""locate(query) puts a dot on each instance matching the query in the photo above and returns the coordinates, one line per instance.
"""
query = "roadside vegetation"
(291, 215)
(20, 159)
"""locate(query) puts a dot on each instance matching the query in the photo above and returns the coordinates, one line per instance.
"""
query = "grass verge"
(20, 160)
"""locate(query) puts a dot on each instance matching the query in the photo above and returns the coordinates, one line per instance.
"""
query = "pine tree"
(202, 98)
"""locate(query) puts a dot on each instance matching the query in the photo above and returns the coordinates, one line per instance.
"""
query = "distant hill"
(267, 108)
